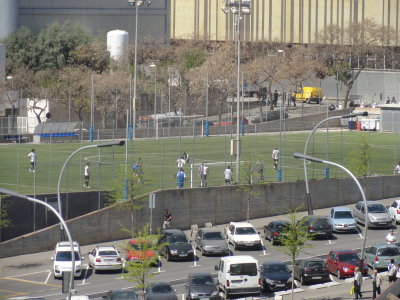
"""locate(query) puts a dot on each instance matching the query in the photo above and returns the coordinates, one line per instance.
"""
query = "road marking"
(29, 281)
(266, 254)
(330, 242)
(331, 277)
(263, 248)
(288, 292)
(323, 285)
(86, 272)
(28, 274)
(14, 293)
(48, 277)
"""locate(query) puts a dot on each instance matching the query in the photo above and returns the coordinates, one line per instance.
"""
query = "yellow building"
(288, 21)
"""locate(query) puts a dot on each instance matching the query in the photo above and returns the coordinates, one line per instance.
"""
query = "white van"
(62, 259)
(238, 275)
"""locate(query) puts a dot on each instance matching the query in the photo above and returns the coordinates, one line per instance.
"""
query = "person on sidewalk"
(86, 174)
(390, 237)
(167, 219)
(376, 283)
(357, 283)
(392, 271)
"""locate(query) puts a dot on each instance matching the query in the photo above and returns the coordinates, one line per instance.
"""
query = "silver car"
(378, 215)
(211, 241)
(342, 219)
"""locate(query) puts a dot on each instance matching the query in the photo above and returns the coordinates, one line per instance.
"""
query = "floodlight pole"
(110, 144)
(322, 161)
(58, 215)
(308, 197)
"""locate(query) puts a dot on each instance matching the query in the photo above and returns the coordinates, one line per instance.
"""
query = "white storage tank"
(117, 44)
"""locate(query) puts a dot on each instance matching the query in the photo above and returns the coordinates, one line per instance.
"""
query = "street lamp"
(237, 8)
(153, 65)
(137, 4)
(48, 206)
(308, 197)
(322, 161)
(110, 144)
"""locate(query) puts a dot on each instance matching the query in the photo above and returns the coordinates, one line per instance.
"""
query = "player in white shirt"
(32, 158)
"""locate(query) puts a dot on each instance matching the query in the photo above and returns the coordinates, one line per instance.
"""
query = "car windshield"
(244, 269)
(108, 253)
(343, 215)
(178, 239)
(376, 208)
(321, 221)
(161, 289)
(123, 295)
(390, 251)
(66, 256)
(277, 269)
(245, 230)
(315, 264)
(202, 280)
(349, 257)
(213, 236)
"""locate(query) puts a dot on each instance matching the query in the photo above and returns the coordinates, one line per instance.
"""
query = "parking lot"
(31, 275)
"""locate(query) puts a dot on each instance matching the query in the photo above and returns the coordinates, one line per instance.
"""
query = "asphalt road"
(31, 275)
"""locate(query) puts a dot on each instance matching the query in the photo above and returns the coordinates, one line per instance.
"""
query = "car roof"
(315, 217)
(370, 202)
(173, 232)
(241, 224)
(195, 274)
(210, 229)
(106, 248)
(67, 244)
(312, 259)
(279, 222)
(239, 259)
(385, 246)
(273, 263)
(344, 251)
(341, 208)
(153, 284)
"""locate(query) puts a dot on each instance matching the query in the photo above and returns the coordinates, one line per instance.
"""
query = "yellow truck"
(309, 94)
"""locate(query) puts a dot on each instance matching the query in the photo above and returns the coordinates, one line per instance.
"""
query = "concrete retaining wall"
(218, 205)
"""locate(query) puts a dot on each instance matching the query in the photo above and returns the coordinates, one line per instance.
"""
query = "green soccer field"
(159, 159)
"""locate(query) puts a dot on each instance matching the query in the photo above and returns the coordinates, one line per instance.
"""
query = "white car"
(394, 211)
(242, 235)
(63, 260)
(105, 258)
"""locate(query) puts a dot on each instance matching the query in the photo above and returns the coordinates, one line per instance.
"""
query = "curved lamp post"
(110, 144)
(15, 194)
(322, 161)
(308, 197)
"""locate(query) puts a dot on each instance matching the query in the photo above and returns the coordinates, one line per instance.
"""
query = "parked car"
(211, 241)
(275, 276)
(342, 219)
(318, 226)
(201, 285)
(394, 211)
(137, 250)
(311, 270)
(273, 230)
(160, 291)
(378, 215)
(63, 260)
(121, 295)
(177, 245)
(343, 262)
(379, 255)
(243, 235)
(105, 258)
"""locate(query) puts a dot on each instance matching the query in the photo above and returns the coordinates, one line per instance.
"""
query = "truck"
(309, 94)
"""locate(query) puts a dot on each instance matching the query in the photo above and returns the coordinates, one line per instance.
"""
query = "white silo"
(117, 44)
(8, 17)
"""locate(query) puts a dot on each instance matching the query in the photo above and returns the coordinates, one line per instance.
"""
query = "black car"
(121, 295)
(177, 245)
(318, 226)
(273, 230)
(160, 291)
(200, 285)
(275, 276)
(311, 270)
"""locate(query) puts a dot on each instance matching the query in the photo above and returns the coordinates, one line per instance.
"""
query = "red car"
(136, 251)
(343, 262)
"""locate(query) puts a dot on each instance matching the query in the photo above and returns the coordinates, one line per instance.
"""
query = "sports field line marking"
(30, 281)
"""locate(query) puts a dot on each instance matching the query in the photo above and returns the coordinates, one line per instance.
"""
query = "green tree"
(92, 55)
(141, 271)
(361, 157)
(4, 220)
(294, 238)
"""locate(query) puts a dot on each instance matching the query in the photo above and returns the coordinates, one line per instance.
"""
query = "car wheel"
(265, 286)
(273, 242)
(202, 252)
(339, 276)
(235, 247)
(95, 271)
(168, 257)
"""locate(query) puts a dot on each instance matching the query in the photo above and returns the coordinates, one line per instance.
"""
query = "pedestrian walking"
(167, 219)
(32, 158)
(86, 175)
(391, 237)
(180, 162)
(275, 158)
(228, 175)
(392, 271)
(357, 283)
(181, 178)
(276, 96)
(397, 168)
(376, 283)
(203, 173)
(293, 98)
